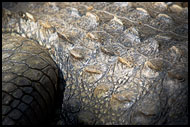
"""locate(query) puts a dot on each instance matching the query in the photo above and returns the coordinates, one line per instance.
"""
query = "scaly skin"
(123, 63)
(29, 81)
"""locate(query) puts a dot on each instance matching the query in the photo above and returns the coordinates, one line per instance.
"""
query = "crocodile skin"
(124, 63)
(29, 81)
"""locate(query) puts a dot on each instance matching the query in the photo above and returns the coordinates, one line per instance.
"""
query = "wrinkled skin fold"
(123, 63)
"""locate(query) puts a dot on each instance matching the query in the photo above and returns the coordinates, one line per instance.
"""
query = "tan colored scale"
(141, 9)
(117, 20)
(128, 62)
(64, 37)
(100, 90)
(120, 99)
(164, 15)
(177, 50)
(107, 51)
(91, 36)
(45, 24)
(176, 9)
(92, 69)
(30, 16)
(104, 16)
(77, 53)
(92, 15)
(90, 8)
(155, 64)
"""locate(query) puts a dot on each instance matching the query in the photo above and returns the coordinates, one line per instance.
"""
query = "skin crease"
(122, 63)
